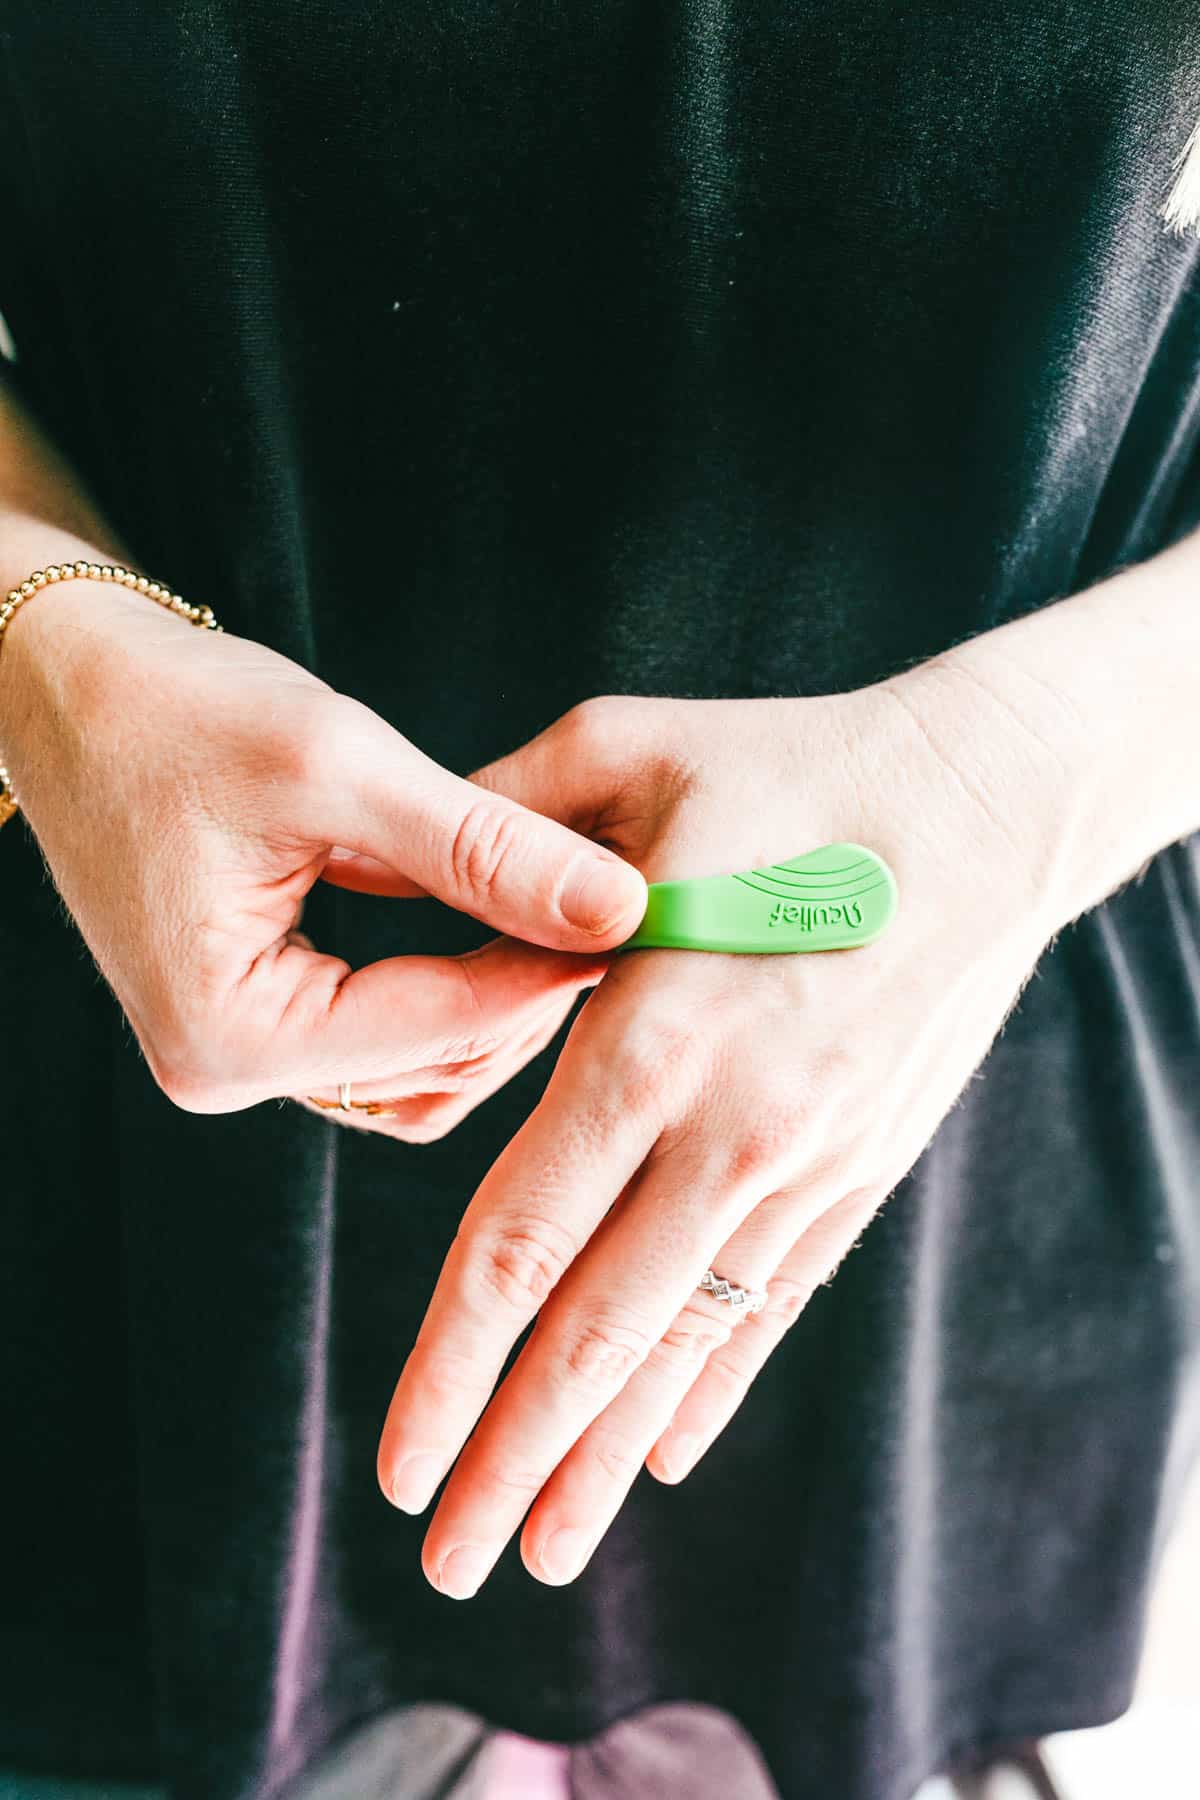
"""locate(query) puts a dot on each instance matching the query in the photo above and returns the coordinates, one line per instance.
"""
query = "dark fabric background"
(485, 358)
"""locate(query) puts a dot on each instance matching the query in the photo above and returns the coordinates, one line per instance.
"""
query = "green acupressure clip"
(834, 898)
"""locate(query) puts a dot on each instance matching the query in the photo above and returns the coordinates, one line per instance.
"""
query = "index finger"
(533, 1212)
(299, 1020)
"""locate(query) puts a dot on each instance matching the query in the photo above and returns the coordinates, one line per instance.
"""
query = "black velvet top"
(484, 358)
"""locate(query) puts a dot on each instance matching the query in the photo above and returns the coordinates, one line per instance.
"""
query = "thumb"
(483, 853)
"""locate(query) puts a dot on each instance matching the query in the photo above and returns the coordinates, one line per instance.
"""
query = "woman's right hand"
(187, 788)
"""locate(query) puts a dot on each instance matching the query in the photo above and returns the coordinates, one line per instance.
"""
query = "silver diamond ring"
(743, 1300)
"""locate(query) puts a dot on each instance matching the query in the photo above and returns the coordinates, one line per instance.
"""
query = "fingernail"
(460, 1573)
(564, 1553)
(597, 891)
(677, 1454)
(415, 1479)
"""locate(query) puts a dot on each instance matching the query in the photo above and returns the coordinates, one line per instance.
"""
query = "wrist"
(1106, 683)
(984, 808)
(53, 651)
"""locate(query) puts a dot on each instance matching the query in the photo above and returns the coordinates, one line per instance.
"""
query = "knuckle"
(525, 1261)
(770, 1135)
(517, 1478)
(596, 720)
(830, 1073)
(825, 1245)
(786, 1300)
(446, 1378)
(602, 1353)
(182, 1087)
(622, 735)
(865, 1191)
(617, 1457)
(653, 1065)
(313, 738)
(185, 1070)
(195, 1094)
(691, 1339)
(478, 1040)
(486, 842)
(728, 1373)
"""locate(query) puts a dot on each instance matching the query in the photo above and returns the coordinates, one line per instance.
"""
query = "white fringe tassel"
(1181, 208)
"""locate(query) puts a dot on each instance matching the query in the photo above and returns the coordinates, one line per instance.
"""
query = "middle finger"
(698, 1371)
(616, 1305)
(538, 1204)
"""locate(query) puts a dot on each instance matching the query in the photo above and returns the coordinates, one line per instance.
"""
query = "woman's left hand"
(745, 1113)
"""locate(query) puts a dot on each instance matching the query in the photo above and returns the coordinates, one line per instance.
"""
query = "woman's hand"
(743, 1113)
(187, 789)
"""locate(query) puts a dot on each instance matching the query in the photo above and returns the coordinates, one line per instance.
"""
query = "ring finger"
(724, 1381)
(428, 1101)
(582, 1498)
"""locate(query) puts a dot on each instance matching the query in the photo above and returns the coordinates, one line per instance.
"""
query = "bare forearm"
(1110, 681)
(46, 516)
(41, 491)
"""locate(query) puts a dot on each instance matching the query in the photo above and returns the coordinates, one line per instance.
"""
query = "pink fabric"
(523, 1768)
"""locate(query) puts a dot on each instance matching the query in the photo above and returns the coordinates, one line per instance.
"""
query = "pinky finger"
(725, 1379)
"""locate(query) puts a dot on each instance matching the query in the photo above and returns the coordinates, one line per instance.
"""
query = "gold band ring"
(344, 1103)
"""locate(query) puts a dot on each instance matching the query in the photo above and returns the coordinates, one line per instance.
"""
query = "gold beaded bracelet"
(156, 590)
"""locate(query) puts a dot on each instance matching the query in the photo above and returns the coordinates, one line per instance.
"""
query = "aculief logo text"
(807, 918)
